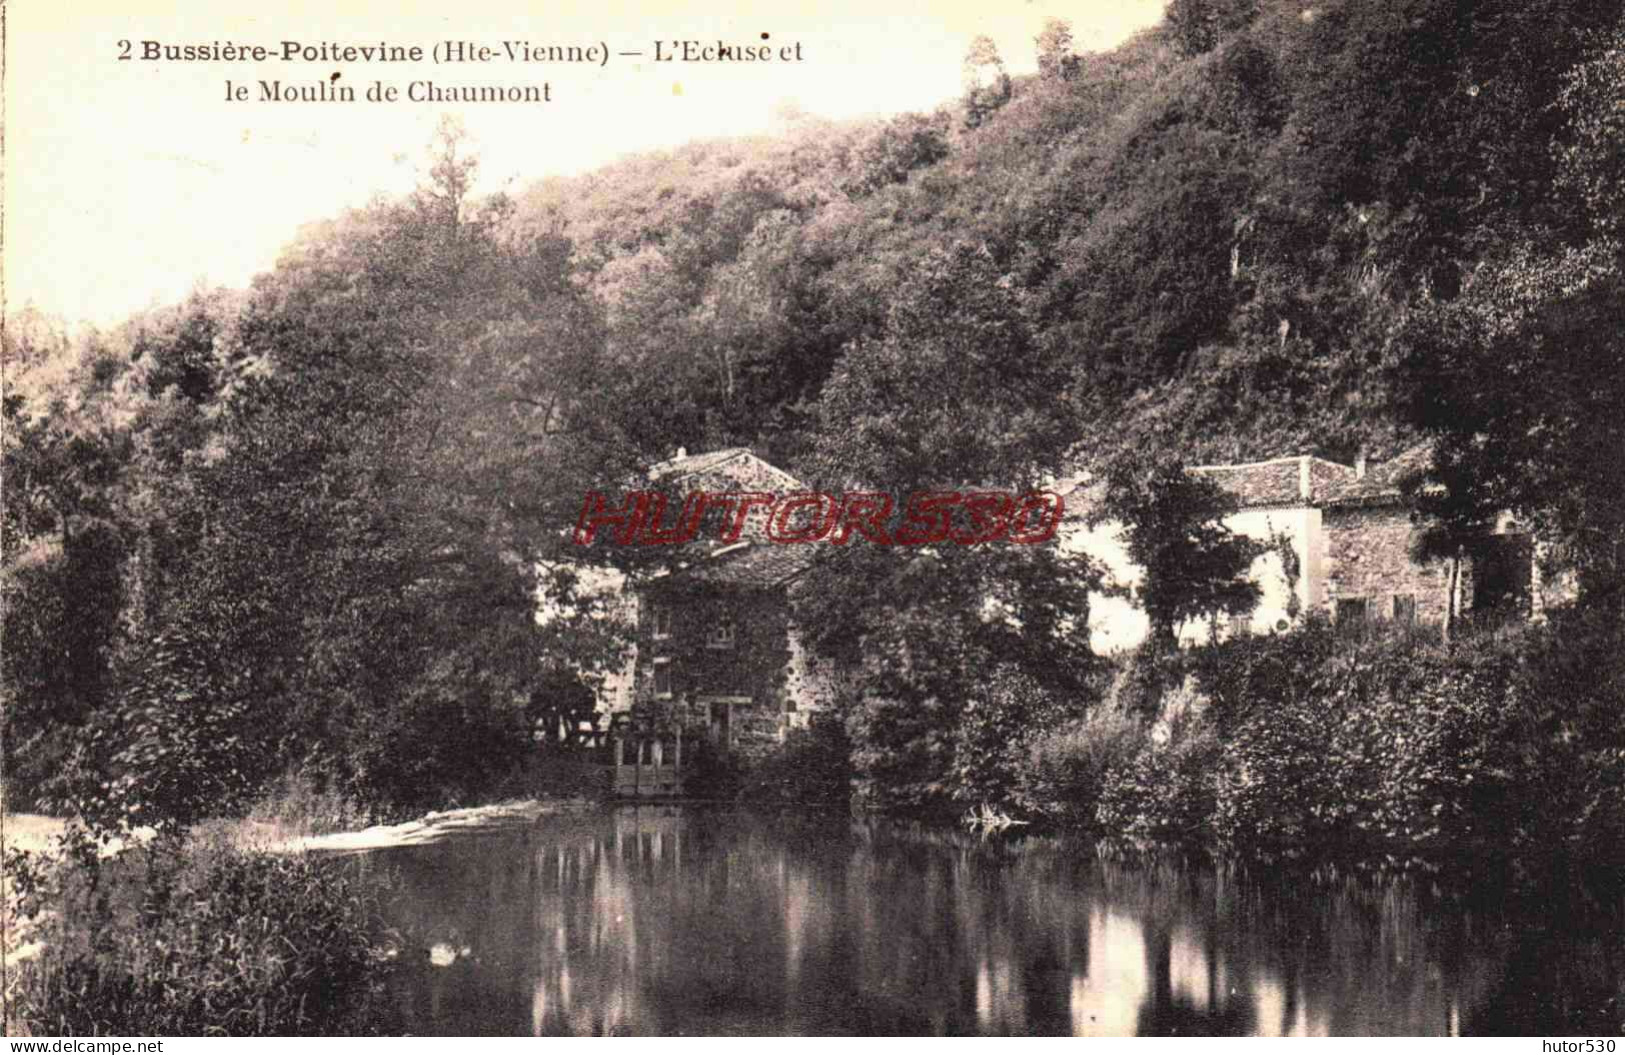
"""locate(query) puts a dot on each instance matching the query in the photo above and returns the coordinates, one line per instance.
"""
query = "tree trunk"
(1450, 596)
(728, 374)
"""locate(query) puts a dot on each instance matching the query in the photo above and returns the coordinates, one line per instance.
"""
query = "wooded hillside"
(296, 528)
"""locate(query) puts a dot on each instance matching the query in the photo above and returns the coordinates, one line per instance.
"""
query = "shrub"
(1420, 751)
(813, 767)
(309, 802)
(1142, 677)
(1262, 671)
(182, 742)
(996, 727)
(1402, 749)
(188, 939)
(34, 765)
(1166, 794)
(1567, 741)
(1269, 792)
(903, 752)
(1065, 769)
(1389, 747)
(434, 748)
(710, 771)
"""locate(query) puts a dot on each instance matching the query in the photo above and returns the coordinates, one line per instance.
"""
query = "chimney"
(1303, 477)
(682, 452)
(1359, 465)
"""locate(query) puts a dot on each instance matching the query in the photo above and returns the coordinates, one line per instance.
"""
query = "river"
(663, 920)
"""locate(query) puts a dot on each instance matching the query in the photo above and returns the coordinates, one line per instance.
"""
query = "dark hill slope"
(1223, 232)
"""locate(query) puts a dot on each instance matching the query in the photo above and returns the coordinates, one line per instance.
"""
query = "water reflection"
(664, 921)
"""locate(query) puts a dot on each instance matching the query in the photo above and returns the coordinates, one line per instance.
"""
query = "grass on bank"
(190, 935)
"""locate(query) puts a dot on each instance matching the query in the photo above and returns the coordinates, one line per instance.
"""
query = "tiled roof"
(1296, 481)
(1382, 483)
(1277, 482)
(747, 564)
(1309, 481)
(730, 464)
(729, 469)
(1326, 477)
(751, 562)
(1272, 483)
(688, 464)
(1301, 480)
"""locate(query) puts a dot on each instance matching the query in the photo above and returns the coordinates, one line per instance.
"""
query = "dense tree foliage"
(1173, 527)
(1520, 377)
(955, 397)
(1242, 230)
(1257, 229)
(321, 510)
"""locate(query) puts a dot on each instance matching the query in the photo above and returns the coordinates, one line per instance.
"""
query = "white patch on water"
(431, 828)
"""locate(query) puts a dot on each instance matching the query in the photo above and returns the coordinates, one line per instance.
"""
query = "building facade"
(716, 643)
(717, 646)
(1344, 545)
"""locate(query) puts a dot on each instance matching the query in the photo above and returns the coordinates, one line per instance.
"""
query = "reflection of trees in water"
(656, 921)
(1304, 959)
(1581, 990)
(1202, 1009)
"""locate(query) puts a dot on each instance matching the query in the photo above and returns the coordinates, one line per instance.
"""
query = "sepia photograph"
(648, 518)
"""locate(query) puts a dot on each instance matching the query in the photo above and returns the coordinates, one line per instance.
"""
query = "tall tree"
(1519, 379)
(1197, 26)
(65, 533)
(1173, 527)
(1054, 44)
(403, 418)
(955, 397)
(987, 84)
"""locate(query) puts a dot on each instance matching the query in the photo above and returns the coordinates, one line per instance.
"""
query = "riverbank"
(426, 931)
(671, 919)
(431, 827)
(190, 935)
(51, 863)
(39, 834)
(1496, 753)
(237, 926)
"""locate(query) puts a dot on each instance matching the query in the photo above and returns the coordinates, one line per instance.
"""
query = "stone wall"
(748, 678)
(1368, 555)
(812, 682)
(1282, 599)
